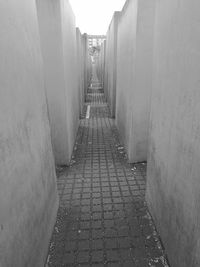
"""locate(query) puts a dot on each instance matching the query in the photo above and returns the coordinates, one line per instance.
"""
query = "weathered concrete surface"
(70, 71)
(104, 66)
(28, 198)
(105, 78)
(173, 183)
(140, 94)
(111, 62)
(134, 79)
(100, 63)
(58, 42)
(87, 64)
(126, 56)
(80, 69)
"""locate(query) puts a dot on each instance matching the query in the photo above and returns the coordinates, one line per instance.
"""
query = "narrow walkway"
(102, 219)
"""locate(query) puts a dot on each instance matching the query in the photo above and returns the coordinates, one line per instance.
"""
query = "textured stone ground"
(103, 219)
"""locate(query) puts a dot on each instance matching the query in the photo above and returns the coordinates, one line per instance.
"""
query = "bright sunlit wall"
(94, 16)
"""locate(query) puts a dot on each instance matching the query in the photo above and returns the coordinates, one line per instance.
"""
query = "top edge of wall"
(116, 15)
(71, 9)
(78, 30)
(126, 4)
(119, 13)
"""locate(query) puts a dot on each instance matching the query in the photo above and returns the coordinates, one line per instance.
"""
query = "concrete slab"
(28, 197)
(111, 62)
(134, 78)
(173, 183)
(57, 27)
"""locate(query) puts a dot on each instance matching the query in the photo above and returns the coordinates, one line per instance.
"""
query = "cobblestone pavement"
(102, 219)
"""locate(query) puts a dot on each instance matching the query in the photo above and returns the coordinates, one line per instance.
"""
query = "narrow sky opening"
(94, 16)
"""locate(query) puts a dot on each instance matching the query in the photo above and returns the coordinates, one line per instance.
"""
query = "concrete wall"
(85, 56)
(134, 78)
(111, 62)
(28, 199)
(104, 67)
(80, 68)
(58, 42)
(100, 63)
(173, 182)
(105, 78)
(87, 63)
(71, 72)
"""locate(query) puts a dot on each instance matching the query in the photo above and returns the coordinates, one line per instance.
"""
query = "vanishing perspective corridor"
(102, 219)
(99, 133)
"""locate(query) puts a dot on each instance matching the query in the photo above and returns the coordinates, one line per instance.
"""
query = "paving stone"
(79, 265)
(102, 219)
(97, 216)
(128, 264)
(126, 255)
(112, 255)
(85, 217)
(85, 225)
(84, 245)
(111, 243)
(109, 223)
(97, 244)
(97, 233)
(114, 264)
(97, 223)
(110, 233)
(97, 256)
(68, 258)
(108, 215)
(84, 235)
(70, 246)
(83, 257)
(124, 242)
